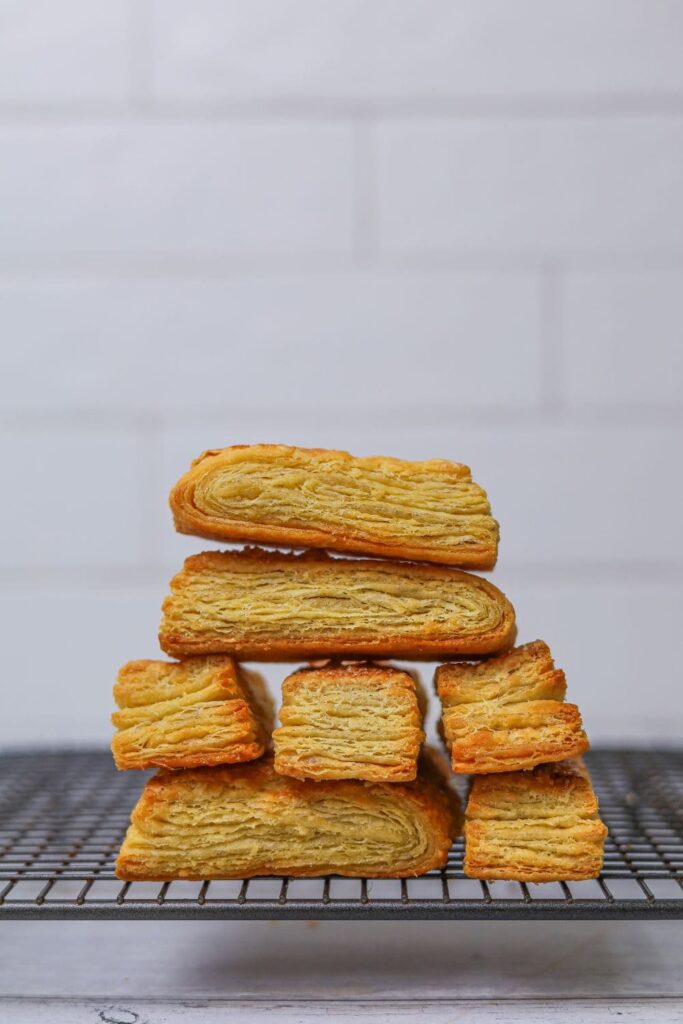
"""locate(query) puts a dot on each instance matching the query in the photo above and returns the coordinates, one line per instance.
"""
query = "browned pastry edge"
(234, 754)
(573, 746)
(254, 713)
(431, 793)
(565, 779)
(536, 651)
(187, 519)
(396, 646)
(368, 674)
(471, 754)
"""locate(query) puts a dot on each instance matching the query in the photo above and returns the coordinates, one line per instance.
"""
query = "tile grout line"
(201, 268)
(317, 108)
(140, 59)
(419, 417)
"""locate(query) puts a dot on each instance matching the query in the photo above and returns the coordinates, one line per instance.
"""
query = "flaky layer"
(507, 713)
(270, 606)
(248, 820)
(201, 711)
(536, 826)
(308, 497)
(349, 722)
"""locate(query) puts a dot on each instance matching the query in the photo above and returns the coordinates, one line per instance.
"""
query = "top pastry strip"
(309, 497)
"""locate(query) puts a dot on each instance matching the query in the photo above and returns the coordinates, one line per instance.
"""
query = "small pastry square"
(349, 722)
(308, 497)
(246, 820)
(268, 606)
(536, 826)
(202, 711)
(508, 713)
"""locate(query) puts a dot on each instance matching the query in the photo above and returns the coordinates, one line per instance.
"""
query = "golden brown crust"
(349, 722)
(247, 820)
(508, 713)
(268, 606)
(311, 497)
(202, 711)
(535, 826)
(526, 672)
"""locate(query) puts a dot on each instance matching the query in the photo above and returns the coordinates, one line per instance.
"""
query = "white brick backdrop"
(450, 228)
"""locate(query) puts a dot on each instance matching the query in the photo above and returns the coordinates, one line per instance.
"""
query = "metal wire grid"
(63, 816)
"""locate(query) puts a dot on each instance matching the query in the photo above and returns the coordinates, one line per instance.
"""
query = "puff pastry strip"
(536, 826)
(308, 497)
(349, 722)
(186, 714)
(247, 820)
(508, 713)
(269, 606)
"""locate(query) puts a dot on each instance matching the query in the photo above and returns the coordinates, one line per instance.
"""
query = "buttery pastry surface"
(535, 826)
(202, 711)
(508, 712)
(309, 497)
(246, 820)
(270, 606)
(349, 722)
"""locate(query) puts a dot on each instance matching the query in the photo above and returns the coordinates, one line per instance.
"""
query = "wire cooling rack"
(63, 816)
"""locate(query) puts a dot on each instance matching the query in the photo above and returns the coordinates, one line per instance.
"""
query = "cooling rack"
(63, 816)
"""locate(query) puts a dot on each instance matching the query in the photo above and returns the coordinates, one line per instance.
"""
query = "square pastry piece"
(349, 722)
(508, 712)
(202, 711)
(247, 820)
(537, 826)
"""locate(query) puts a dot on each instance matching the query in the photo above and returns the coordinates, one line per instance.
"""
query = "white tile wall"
(397, 48)
(77, 50)
(74, 499)
(445, 229)
(361, 341)
(67, 642)
(531, 186)
(176, 189)
(624, 338)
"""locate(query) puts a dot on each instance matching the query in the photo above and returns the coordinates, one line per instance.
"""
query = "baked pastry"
(536, 826)
(247, 820)
(308, 497)
(190, 713)
(507, 713)
(267, 606)
(349, 722)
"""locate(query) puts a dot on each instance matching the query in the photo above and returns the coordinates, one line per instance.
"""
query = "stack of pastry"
(345, 784)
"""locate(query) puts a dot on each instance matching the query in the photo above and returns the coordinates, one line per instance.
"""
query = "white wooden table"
(123, 972)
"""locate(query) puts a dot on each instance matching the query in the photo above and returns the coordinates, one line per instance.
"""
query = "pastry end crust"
(535, 826)
(508, 713)
(246, 820)
(189, 714)
(361, 721)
